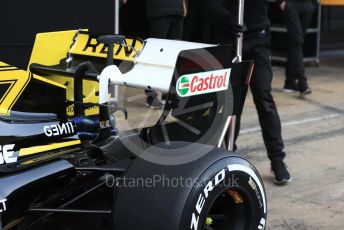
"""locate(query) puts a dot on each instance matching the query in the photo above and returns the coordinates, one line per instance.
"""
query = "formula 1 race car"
(65, 164)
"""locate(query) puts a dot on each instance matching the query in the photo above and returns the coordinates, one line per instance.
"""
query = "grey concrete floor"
(313, 131)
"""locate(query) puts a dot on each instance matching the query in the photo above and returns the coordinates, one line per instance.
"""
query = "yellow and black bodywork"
(67, 49)
(30, 107)
(35, 136)
(36, 106)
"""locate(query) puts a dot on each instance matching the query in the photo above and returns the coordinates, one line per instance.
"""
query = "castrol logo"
(203, 83)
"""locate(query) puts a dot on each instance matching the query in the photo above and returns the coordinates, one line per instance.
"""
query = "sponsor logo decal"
(3, 205)
(252, 184)
(70, 109)
(183, 86)
(7, 155)
(89, 46)
(59, 129)
(203, 83)
(256, 191)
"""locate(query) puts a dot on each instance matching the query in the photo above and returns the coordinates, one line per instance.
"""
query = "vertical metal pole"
(224, 132)
(238, 58)
(239, 42)
(231, 134)
(116, 16)
(114, 90)
(318, 33)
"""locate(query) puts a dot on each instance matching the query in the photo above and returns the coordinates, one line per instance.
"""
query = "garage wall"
(332, 34)
(21, 20)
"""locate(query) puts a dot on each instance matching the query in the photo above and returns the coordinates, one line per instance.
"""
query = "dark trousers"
(168, 27)
(198, 25)
(298, 16)
(257, 48)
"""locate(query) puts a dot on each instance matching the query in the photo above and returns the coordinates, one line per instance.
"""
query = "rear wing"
(205, 89)
(155, 65)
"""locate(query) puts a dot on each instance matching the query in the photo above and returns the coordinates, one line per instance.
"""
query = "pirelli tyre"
(220, 191)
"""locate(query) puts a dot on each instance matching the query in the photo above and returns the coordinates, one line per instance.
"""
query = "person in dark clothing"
(256, 47)
(198, 26)
(166, 20)
(298, 16)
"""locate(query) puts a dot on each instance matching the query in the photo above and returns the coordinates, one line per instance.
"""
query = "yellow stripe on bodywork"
(49, 81)
(19, 79)
(43, 148)
(2, 97)
(3, 64)
(89, 46)
(4, 68)
(48, 156)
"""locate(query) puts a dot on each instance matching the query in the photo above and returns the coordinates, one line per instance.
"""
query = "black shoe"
(280, 171)
(306, 91)
(290, 87)
(304, 88)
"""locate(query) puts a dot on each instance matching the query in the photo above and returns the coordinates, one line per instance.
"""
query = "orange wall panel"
(332, 2)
